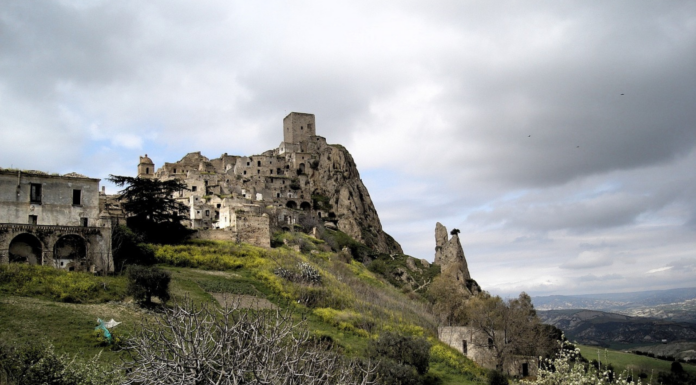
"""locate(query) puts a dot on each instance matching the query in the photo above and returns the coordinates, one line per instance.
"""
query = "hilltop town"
(303, 180)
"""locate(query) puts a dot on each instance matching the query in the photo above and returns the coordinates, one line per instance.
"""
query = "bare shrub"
(189, 345)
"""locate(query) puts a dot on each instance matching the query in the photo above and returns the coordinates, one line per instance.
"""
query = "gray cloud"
(466, 113)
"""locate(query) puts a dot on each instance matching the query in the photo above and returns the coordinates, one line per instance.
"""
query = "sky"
(559, 137)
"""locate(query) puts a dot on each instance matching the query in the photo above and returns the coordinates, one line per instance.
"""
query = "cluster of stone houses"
(64, 220)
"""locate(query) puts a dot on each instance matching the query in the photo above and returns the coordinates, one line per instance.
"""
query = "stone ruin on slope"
(303, 181)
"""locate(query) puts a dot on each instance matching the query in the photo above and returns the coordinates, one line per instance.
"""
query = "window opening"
(33, 219)
(147, 170)
(76, 197)
(35, 195)
(218, 205)
(258, 163)
(85, 222)
(207, 213)
(194, 188)
(464, 347)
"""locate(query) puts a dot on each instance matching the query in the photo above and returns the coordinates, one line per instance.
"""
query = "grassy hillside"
(343, 302)
(630, 362)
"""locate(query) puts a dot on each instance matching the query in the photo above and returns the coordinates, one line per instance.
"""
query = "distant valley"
(678, 305)
(624, 320)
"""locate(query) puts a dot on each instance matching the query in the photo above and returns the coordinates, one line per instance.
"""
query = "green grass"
(350, 306)
(47, 282)
(628, 361)
(69, 327)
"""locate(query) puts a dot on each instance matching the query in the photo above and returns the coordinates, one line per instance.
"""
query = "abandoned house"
(479, 348)
(53, 220)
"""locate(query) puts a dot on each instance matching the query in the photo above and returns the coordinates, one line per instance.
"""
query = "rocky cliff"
(336, 185)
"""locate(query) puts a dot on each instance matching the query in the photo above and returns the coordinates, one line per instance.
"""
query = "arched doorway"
(291, 205)
(26, 248)
(305, 206)
(70, 253)
(301, 170)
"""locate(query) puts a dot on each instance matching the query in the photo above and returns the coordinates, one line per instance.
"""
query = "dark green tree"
(151, 207)
(403, 359)
(147, 282)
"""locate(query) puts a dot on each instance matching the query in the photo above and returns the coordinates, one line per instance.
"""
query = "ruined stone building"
(471, 342)
(304, 179)
(479, 348)
(53, 220)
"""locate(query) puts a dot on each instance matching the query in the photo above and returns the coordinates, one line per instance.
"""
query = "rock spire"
(450, 256)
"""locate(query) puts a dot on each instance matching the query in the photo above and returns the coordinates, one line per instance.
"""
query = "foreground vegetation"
(342, 302)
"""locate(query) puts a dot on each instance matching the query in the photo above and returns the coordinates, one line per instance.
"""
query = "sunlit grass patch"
(61, 285)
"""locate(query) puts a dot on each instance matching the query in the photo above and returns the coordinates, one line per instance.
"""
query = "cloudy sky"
(558, 136)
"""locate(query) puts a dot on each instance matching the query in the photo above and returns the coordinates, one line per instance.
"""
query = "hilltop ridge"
(302, 182)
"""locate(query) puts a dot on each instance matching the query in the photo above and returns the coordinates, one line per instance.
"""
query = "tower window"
(35, 193)
(258, 163)
(76, 197)
(194, 188)
(147, 170)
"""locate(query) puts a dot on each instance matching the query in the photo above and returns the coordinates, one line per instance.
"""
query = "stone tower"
(298, 127)
(146, 169)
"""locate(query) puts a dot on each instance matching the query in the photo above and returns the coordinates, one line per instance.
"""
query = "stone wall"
(254, 230)
(475, 346)
(61, 200)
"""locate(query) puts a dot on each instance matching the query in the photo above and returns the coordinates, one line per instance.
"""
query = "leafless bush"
(302, 273)
(205, 345)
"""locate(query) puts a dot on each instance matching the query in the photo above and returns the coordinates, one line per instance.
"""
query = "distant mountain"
(593, 327)
(677, 305)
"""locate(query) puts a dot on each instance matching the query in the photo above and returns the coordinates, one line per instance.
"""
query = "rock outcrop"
(336, 180)
(450, 256)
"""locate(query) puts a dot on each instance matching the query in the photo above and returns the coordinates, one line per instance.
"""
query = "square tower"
(298, 127)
